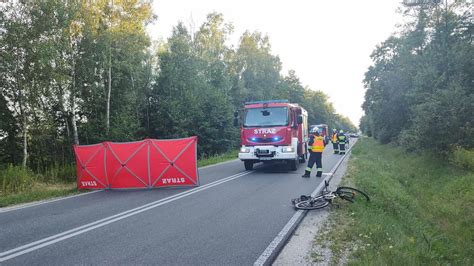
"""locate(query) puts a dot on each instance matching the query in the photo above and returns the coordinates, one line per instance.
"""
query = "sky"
(328, 43)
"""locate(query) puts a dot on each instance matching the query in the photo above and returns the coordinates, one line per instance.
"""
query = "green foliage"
(8, 132)
(190, 97)
(342, 122)
(421, 209)
(318, 107)
(218, 158)
(81, 72)
(84, 72)
(39, 191)
(463, 158)
(54, 75)
(365, 126)
(15, 179)
(419, 89)
(58, 173)
(258, 71)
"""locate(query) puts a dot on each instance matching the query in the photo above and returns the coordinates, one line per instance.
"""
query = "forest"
(82, 72)
(420, 88)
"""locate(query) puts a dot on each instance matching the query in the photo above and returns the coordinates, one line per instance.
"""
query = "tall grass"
(463, 158)
(19, 185)
(14, 179)
(218, 158)
(421, 210)
(58, 173)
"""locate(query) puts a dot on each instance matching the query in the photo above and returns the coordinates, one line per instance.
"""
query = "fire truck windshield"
(266, 117)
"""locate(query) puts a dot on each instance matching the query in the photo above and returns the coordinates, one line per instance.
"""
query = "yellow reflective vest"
(318, 144)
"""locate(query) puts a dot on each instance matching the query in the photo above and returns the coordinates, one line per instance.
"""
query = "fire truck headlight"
(287, 149)
(244, 150)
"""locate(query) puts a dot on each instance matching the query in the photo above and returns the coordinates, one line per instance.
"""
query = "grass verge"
(421, 210)
(24, 186)
(231, 155)
(40, 191)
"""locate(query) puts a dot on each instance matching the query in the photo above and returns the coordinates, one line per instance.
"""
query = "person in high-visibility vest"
(335, 142)
(342, 140)
(315, 147)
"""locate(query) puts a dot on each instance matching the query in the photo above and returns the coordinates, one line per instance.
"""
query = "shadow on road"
(273, 167)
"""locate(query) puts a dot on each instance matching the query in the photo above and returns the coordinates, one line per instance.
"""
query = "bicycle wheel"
(351, 194)
(312, 204)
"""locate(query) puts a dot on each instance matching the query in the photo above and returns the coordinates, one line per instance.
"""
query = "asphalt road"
(229, 220)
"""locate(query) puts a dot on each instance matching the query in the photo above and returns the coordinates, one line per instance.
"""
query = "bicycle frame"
(326, 197)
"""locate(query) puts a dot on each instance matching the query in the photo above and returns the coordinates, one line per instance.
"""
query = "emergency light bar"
(269, 101)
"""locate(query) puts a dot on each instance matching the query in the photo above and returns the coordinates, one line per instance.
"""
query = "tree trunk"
(21, 103)
(73, 123)
(73, 104)
(25, 142)
(109, 91)
(148, 115)
(109, 83)
(137, 100)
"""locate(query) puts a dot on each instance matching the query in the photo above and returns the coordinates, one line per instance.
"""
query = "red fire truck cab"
(274, 131)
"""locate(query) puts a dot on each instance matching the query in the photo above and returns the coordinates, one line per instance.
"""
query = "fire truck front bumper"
(267, 153)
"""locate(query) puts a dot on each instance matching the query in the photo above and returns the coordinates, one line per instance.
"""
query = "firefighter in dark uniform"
(342, 140)
(315, 147)
(335, 142)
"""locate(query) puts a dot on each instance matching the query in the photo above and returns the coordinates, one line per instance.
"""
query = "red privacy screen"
(149, 163)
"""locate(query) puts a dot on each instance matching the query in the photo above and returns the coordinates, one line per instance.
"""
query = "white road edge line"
(32, 204)
(277, 240)
(9, 254)
(263, 259)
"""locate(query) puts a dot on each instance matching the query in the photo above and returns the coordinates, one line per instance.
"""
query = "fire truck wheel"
(248, 165)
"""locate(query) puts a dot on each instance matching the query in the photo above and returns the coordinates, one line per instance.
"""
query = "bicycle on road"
(326, 197)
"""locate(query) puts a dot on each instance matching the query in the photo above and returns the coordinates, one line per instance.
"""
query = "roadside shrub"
(15, 179)
(59, 172)
(463, 158)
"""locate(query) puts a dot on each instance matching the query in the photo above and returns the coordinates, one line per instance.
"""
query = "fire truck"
(274, 130)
